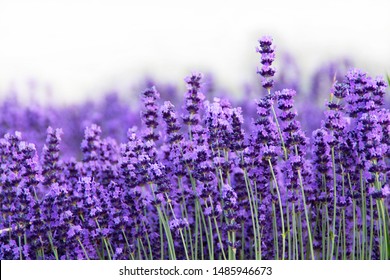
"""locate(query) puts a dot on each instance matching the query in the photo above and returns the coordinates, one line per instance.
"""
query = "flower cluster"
(267, 51)
(202, 178)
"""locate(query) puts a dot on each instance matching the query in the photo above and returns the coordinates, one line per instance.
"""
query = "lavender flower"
(227, 179)
(266, 49)
(150, 115)
(193, 103)
(91, 147)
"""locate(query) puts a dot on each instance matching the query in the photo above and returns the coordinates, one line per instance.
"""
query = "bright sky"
(79, 48)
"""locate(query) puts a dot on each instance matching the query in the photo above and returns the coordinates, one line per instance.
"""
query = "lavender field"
(282, 173)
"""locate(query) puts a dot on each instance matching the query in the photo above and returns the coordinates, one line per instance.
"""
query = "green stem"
(300, 236)
(127, 244)
(217, 229)
(280, 208)
(371, 228)
(289, 233)
(364, 216)
(306, 216)
(180, 230)
(344, 236)
(82, 246)
(333, 234)
(274, 224)
(295, 232)
(254, 224)
(20, 247)
(354, 229)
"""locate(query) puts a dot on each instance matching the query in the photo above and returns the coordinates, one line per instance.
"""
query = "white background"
(79, 48)
(109, 270)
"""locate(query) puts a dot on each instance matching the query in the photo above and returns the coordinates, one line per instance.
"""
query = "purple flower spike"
(193, 103)
(51, 158)
(267, 72)
(150, 115)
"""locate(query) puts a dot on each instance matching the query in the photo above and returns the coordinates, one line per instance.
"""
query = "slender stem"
(201, 239)
(20, 247)
(276, 237)
(300, 236)
(82, 246)
(209, 237)
(371, 227)
(217, 229)
(108, 250)
(161, 240)
(54, 249)
(354, 229)
(288, 232)
(338, 244)
(306, 216)
(185, 214)
(127, 243)
(139, 248)
(333, 233)
(344, 236)
(242, 241)
(143, 248)
(171, 244)
(324, 228)
(364, 215)
(385, 229)
(164, 219)
(380, 232)
(254, 224)
(280, 208)
(295, 232)
(104, 241)
(180, 230)
(148, 241)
